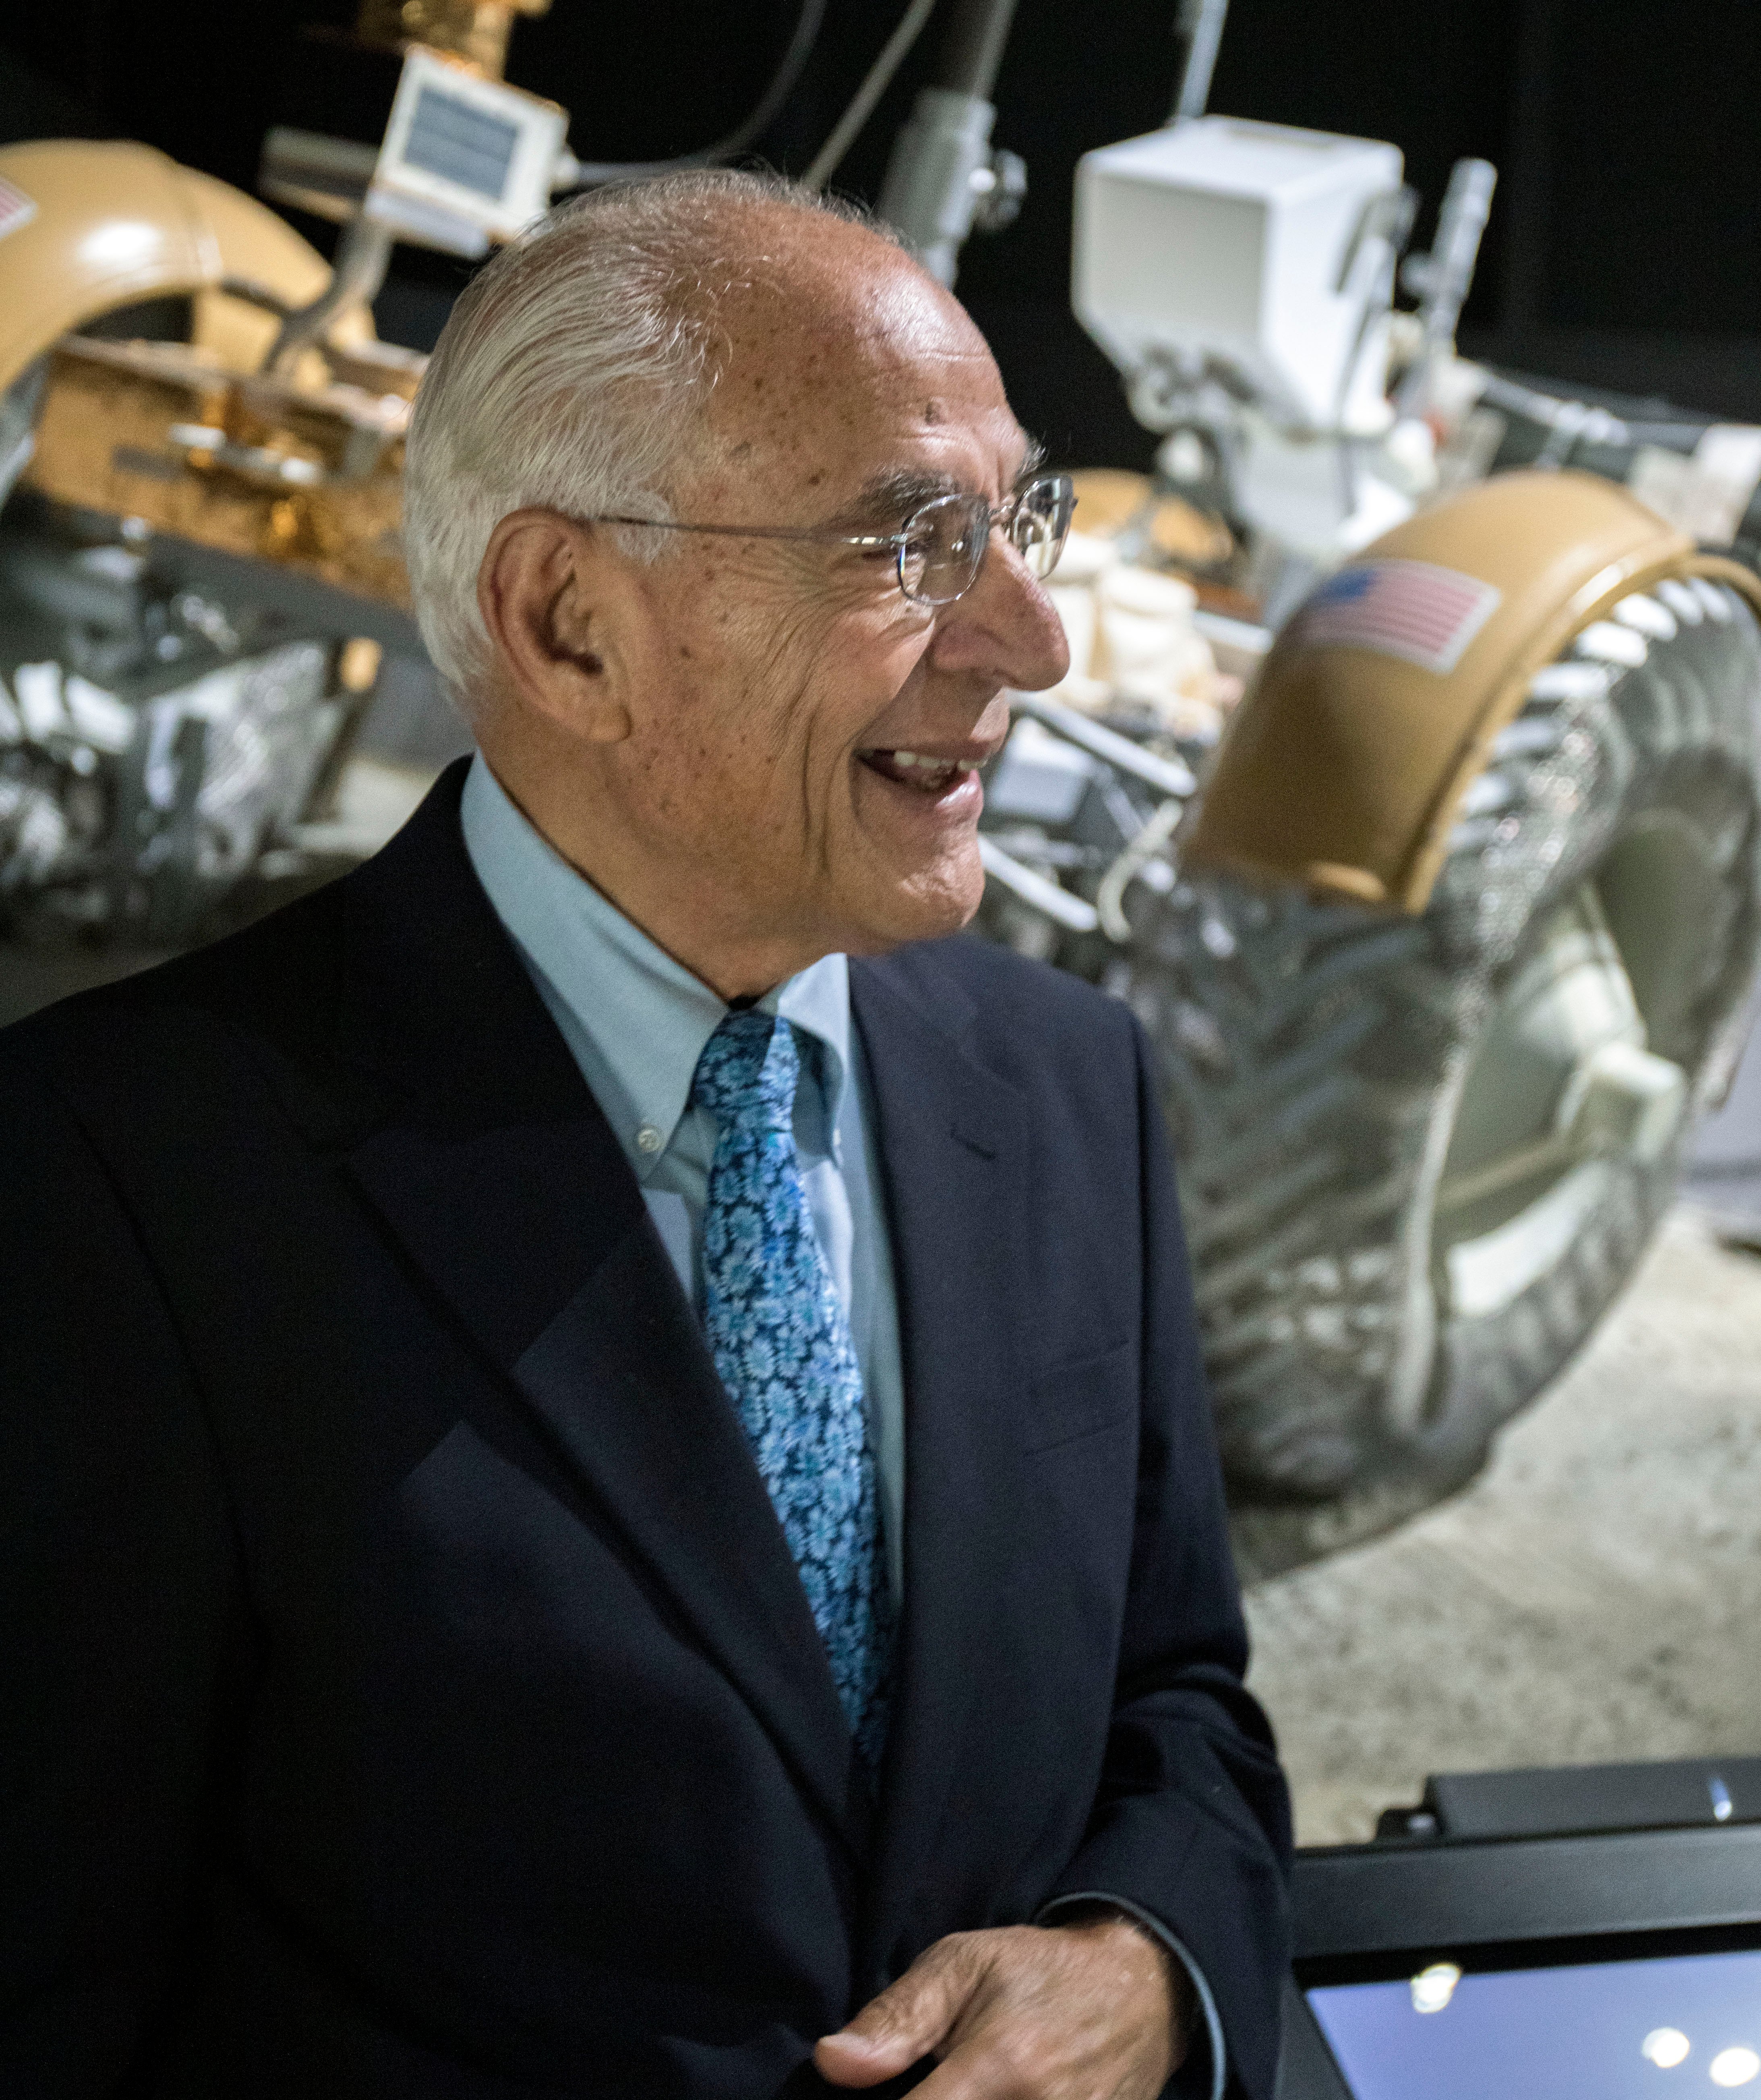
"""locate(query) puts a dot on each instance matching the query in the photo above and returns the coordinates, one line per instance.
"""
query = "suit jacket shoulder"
(1018, 1009)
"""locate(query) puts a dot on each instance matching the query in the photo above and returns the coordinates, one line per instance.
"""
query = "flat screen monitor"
(1652, 2028)
(1626, 1966)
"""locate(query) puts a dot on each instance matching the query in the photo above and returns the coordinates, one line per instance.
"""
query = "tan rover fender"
(1344, 765)
(116, 223)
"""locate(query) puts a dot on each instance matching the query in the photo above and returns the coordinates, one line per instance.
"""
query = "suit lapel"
(503, 1184)
(953, 1141)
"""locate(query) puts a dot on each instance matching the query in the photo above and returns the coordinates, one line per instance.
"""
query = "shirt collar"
(645, 1015)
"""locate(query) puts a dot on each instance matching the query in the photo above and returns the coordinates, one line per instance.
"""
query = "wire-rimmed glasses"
(941, 548)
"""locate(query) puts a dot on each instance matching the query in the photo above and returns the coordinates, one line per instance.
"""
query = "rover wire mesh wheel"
(1419, 1157)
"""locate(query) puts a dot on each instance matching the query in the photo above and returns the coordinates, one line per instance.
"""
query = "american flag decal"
(1413, 609)
(17, 210)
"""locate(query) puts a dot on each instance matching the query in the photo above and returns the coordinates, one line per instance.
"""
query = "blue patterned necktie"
(778, 1332)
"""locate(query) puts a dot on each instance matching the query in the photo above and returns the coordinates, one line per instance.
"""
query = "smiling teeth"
(911, 758)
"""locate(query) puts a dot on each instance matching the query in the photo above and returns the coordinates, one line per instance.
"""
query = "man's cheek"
(766, 627)
(892, 638)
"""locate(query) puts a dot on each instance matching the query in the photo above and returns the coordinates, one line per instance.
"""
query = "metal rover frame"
(118, 226)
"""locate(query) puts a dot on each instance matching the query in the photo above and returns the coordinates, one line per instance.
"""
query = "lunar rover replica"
(1445, 932)
(1442, 941)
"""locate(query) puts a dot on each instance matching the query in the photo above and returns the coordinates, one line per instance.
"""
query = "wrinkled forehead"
(847, 361)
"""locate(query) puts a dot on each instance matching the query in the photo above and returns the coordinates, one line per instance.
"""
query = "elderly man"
(610, 1489)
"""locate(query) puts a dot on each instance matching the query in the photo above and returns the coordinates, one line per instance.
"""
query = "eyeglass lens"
(944, 541)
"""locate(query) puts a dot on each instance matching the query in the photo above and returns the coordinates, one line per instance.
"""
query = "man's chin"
(926, 906)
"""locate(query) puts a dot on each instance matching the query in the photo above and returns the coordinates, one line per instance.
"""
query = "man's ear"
(548, 596)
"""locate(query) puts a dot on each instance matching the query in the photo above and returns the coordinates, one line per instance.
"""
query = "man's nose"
(1004, 628)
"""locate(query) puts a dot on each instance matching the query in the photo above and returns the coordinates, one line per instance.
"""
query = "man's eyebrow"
(890, 496)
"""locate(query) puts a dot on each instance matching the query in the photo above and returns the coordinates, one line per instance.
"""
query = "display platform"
(1588, 1967)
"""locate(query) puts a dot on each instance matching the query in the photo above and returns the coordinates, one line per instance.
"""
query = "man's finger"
(909, 2020)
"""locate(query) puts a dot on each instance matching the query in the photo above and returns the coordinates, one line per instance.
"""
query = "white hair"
(572, 374)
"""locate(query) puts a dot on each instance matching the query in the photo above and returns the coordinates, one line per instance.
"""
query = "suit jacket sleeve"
(1191, 1824)
(115, 1576)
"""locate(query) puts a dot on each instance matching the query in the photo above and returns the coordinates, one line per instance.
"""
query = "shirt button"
(648, 1139)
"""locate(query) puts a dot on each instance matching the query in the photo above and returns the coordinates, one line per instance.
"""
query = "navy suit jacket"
(406, 1687)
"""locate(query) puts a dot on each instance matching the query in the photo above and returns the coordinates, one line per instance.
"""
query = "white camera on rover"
(1257, 251)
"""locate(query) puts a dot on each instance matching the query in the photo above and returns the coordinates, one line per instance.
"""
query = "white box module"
(465, 160)
(1255, 245)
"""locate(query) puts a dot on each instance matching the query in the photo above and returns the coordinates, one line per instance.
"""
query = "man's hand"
(1092, 2010)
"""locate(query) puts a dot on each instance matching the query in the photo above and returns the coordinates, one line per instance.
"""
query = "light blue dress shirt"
(635, 1022)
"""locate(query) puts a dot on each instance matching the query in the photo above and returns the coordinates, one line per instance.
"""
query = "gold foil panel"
(310, 477)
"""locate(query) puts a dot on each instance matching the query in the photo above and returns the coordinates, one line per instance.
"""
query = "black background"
(1623, 250)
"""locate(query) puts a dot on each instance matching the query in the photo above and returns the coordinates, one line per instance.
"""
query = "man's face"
(805, 737)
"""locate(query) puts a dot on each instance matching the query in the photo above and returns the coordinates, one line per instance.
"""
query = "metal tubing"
(875, 83)
(1035, 889)
(929, 195)
(1460, 225)
(1167, 776)
(972, 50)
(362, 257)
(1202, 22)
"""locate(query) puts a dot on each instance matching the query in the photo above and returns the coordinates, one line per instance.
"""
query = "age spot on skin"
(932, 410)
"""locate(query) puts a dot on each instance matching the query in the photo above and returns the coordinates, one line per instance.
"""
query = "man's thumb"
(897, 2029)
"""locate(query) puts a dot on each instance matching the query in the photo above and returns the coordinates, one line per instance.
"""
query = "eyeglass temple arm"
(759, 531)
(1002, 514)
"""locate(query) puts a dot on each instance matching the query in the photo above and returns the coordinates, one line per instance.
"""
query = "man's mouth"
(928, 775)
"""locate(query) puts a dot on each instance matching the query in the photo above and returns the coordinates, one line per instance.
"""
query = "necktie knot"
(747, 1075)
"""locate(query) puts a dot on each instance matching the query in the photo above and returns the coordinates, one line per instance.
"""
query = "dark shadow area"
(1620, 252)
